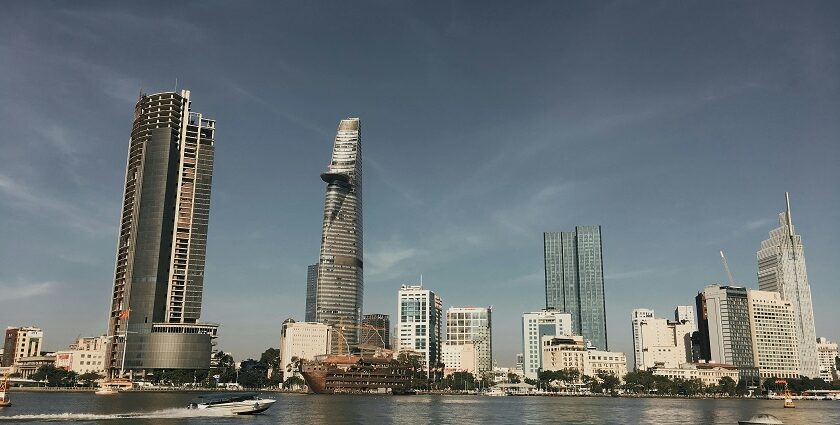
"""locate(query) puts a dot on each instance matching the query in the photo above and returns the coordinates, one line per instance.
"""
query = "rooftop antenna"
(726, 267)
(421, 280)
(176, 85)
(787, 213)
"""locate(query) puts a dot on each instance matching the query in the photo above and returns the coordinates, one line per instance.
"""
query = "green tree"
(54, 377)
(89, 378)
(727, 386)
(609, 382)
(271, 358)
(293, 382)
(513, 378)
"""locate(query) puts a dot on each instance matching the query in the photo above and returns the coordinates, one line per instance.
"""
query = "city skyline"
(673, 140)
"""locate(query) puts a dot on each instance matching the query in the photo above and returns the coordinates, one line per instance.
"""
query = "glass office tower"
(340, 283)
(574, 281)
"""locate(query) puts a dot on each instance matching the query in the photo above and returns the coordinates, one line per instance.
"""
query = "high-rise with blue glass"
(574, 281)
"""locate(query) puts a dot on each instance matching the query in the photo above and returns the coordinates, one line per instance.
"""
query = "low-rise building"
(26, 366)
(84, 356)
(827, 356)
(610, 362)
(459, 358)
(709, 373)
(303, 340)
(661, 341)
(566, 352)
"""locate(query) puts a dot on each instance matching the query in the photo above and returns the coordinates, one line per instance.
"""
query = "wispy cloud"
(21, 196)
(385, 260)
(759, 223)
(19, 291)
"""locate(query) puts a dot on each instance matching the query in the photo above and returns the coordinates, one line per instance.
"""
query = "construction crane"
(726, 267)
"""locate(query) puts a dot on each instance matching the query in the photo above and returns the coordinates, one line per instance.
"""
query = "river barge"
(333, 374)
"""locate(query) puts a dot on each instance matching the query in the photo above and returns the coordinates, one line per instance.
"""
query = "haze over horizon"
(676, 127)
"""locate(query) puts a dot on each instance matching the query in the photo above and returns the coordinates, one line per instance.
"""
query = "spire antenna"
(787, 213)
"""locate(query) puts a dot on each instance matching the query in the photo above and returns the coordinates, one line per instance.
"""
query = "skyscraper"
(728, 326)
(419, 328)
(340, 284)
(781, 268)
(311, 291)
(574, 281)
(159, 274)
(472, 325)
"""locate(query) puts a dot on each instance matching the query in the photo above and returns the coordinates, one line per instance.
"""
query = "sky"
(676, 126)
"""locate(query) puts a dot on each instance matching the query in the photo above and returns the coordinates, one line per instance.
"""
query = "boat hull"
(355, 374)
(250, 407)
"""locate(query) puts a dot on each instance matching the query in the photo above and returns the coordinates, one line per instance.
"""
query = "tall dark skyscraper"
(159, 274)
(340, 284)
(574, 281)
(311, 291)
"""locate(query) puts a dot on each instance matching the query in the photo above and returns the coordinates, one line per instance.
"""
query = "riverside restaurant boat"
(4, 392)
(356, 374)
(234, 403)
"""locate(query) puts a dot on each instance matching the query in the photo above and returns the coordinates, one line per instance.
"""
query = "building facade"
(472, 325)
(84, 356)
(728, 323)
(827, 354)
(708, 373)
(571, 352)
(637, 316)
(774, 338)
(340, 283)
(536, 325)
(781, 268)
(376, 331)
(302, 340)
(459, 358)
(159, 274)
(419, 328)
(660, 342)
(311, 291)
(21, 342)
(685, 314)
(574, 281)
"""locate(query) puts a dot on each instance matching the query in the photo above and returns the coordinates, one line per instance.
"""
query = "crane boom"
(726, 267)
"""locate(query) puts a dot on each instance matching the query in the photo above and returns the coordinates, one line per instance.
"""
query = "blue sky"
(676, 126)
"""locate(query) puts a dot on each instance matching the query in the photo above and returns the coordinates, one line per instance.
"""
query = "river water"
(168, 408)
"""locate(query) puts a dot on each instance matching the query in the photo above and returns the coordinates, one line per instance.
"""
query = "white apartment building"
(21, 342)
(774, 336)
(303, 340)
(709, 373)
(827, 355)
(535, 326)
(419, 326)
(611, 362)
(84, 356)
(660, 342)
(685, 314)
(472, 325)
(459, 358)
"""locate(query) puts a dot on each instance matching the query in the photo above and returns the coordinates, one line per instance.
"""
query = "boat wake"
(157, 414)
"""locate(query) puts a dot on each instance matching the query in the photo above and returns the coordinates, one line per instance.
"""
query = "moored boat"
(356, 374)
(234, 403)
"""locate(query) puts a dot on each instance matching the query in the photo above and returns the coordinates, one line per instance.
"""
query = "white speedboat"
(107, 391)
(235, 403)
(762, 419)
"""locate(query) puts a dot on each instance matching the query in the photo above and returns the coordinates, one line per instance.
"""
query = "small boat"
(495, 392)
(4, 389)
(789, 403)
(107, 391)
(762, 419)
(235, 403)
